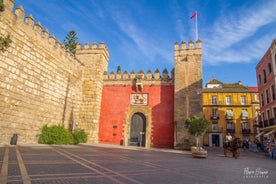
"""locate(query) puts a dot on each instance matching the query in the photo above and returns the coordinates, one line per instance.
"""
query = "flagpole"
(196, 27)
(196, 30)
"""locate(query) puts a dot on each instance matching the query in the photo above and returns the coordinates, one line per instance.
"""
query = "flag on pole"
(194, 15)
(196, 31)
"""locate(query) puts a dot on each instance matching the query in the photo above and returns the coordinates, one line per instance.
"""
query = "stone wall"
(95, 59)
(40, 81)
(187, 89)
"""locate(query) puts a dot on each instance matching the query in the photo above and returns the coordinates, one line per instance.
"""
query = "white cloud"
(232, 34)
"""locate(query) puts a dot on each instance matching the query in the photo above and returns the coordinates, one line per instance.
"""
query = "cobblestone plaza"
(117, 164)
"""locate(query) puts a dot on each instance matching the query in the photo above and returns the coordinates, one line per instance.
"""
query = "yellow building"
(231, 108)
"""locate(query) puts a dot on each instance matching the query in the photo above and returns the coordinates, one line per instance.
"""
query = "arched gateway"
(138, 130)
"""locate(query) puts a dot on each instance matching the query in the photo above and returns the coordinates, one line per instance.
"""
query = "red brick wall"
(115, 102)
(262, 87)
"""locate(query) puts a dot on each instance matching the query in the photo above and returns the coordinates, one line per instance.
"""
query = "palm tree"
(197, 126)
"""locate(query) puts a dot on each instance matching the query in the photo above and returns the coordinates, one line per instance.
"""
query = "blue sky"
(140, 34)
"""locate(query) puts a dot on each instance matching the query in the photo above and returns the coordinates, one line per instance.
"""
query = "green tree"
(119, 69)
(197, 126)
(70, 41)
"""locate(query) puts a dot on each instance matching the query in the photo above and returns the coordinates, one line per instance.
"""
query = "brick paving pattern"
(106, 164)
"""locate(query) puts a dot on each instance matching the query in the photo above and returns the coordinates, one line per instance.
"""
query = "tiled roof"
(224, 90)
(234, 85)
(214, 81)
(226, 87)
(253, 89)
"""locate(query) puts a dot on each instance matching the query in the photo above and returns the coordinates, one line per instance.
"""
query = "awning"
(258, 135)
(268, 133)
(229, 113)
(244, 114)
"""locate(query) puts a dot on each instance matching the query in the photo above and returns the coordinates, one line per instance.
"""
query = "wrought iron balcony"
(214, 117)
(244, 117)
(272, 122)
(267, 123)
(246, 131)
(216, 130)
(260, 124)
(230, 130)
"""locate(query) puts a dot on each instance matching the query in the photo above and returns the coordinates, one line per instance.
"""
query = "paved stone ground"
(105, 164)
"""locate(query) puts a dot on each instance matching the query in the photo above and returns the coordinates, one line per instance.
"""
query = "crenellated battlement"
(93, 49)
(189, 46)
(141, 75)
(34, 31)
(8, 5)
(148, 77)
(188, 49)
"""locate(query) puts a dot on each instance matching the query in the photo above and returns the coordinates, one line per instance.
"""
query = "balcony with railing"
(244, 118)
(215, 102)
(215, 129)
(230, 130)
(229, 117)
(213, 117)
(246, 131)
(267, 123)
(272, 122)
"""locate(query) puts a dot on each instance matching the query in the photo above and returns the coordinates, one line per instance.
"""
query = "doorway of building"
(215, 140)
(138, 130)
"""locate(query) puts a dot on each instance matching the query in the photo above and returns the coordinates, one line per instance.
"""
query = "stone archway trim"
(146, 111)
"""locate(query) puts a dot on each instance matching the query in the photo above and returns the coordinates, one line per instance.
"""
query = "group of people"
(269, 146)
(266, 145)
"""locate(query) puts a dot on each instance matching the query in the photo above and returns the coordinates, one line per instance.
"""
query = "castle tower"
(95, 62)
(187, 90)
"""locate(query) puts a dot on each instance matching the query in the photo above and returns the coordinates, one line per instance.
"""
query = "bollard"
(14, 139)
